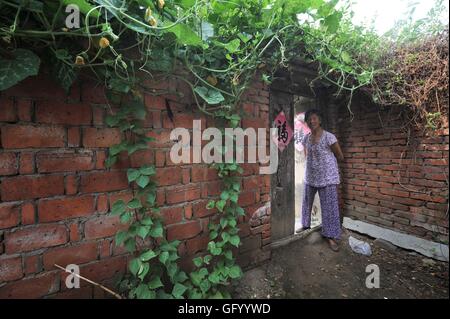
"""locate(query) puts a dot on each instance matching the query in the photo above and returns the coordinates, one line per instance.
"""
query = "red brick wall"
(55, 192)
(389, 179)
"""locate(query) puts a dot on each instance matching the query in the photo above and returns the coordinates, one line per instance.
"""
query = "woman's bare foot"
(333, 245)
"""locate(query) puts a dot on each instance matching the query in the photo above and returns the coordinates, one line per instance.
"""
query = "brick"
(186, 176)
(183, 194)
(394, 192)
(74, 232)
(28, 136)
(100, 157)
(32, 264)
(197, 244)
(28, 214)
(26, 163)
(108, 268)
(168, 176)
(183, 231)
(71, 182)
(7, 110)
(142, 157)
(104, 248)
(246, 198)
(155, 102)
(251, 183)
(36, 237)
(31, 288)
(203, 173)
(63, 256)
(73, 137)
(10, 268)
(61, 113)
(103, 182)
(8, 163)
(172, 215)
(102, 203)
(200, 210)
(50, 210)
(105, 137)
(28, 187)
(160, 158)
(24, 110)
(98, 115)
(188, 211)
(64, 161)
(103, 226)
(9, 215)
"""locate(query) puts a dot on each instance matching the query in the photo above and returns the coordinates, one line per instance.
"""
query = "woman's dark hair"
(311, 112)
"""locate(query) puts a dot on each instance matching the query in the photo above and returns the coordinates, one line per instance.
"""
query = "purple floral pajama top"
(321, 164)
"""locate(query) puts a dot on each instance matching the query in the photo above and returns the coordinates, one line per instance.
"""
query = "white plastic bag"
(359, 247)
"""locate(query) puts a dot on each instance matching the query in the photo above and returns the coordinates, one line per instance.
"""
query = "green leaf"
(180, 276)
(234, 198)
(142, 292)
(155, 282)
(224, 195)
(143, 181)
(133, 174)
(134, 204)
(207, 259)
(223, 222)
(147, 170)
(346, 57)
(220, 205)
(143, 231)
(148, 255)
(125, 217)
(178, 290)
(110, 161)
(214, 277)
(198, 261)
(228, 254)
(116, 149)
(235, 240)
(163, 257)
(213, 234)
(211, 96)
(62, 71)
(143, 271)
(240, 211)
(12, 71)
(225, 236)
(119, 207)
(147, 221)
(156, 231)
(121, 236)
(134, 266)
(235, 272)
(205, 285)
(184, 34)
(130, 244)
(210, 204)
(151, 197)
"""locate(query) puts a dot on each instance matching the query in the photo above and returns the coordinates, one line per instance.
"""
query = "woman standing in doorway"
(322, 175)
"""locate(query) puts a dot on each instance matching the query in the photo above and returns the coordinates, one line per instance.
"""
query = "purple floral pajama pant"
(328, 195)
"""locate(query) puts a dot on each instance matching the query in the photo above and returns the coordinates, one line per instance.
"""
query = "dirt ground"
(308, 268)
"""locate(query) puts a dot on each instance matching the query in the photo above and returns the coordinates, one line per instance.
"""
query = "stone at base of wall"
(425, 247)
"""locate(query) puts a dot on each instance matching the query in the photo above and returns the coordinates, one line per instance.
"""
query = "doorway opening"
(301, 105)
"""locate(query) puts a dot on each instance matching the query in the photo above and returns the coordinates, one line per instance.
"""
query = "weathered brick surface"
(56, 192)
